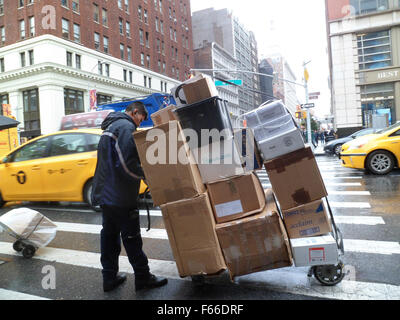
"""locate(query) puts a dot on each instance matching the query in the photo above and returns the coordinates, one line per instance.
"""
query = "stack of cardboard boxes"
(297, 184)
(215, 211)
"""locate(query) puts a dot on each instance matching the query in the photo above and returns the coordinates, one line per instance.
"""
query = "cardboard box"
(218, 160)
(314, 251)
(196, 89)
(164, 115)
(251, 157)
(280, 145)
(190, 227)
(296, 179)
(308, 220)
(265, 113)
(255, 243)
(236, 197)
(170, 169)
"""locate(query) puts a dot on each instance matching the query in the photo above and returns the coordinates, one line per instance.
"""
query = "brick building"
(53, 53)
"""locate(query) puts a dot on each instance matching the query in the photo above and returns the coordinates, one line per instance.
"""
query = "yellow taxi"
(379, 153)
(55, 167)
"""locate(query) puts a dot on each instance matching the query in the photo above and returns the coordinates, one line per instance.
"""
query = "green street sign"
(238, 82)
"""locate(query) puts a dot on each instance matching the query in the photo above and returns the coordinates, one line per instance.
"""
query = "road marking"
(349, 193)
(290, 280)
(361, 220)
(370, 246)
(330, 184)
(95, 229)
(155, 213)
(14, 295)
(343, 204)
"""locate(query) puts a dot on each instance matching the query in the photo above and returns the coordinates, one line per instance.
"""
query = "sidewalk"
(319, 151)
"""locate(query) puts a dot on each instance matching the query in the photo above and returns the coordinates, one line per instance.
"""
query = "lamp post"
(309, 136)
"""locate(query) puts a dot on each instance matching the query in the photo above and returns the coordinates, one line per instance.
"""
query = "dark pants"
(121, 223)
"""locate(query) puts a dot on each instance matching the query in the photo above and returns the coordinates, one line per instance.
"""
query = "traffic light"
(299, 115)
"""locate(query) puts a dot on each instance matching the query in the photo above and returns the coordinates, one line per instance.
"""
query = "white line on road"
(14, 295)
(370, 246)
(155, 213)
(360, 220)
(343, 204)
(290, 280)
(348, 193)
(330, 184)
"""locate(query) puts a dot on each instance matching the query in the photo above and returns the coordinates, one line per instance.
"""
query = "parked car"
(335, 146)
(379, 153)
(53, 167)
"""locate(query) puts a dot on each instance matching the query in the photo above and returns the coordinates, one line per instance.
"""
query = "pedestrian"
(115, 189)
(316, 137)
(313, 138)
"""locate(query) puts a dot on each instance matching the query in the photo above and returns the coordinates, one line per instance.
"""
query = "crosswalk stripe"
(343, 204)
(328, 184)
(370, 246)
(155, 213)
(14, 295)
(278, 279)
(360, 220)
(349, 193)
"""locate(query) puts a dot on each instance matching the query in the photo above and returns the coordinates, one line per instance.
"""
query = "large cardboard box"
(236, 197)
(190, 227)
(314, 251)
(296, 179)
(308, 220)
(218, 160)
(248, 149)
(164, 115)
(170, 169)
(255, 243)
(280, 145)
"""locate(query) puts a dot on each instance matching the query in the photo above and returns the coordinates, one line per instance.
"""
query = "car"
(378, 153)
(335, 146)
(55, 167)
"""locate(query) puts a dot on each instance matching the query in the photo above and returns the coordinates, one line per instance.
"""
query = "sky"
(297, 28)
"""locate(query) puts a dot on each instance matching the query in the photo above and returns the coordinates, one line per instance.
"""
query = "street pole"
(309, 135)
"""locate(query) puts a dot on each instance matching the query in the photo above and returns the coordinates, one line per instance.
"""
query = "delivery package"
(164, 115)
(313, 251)
(218, 160)
(169, 167)
(248, 149)
(307, 220)
(255, 243)
(196, 89)
(296, 179)
(265, 113)
(284, 143)
(191, 232)
(236, 197)
(274, 128)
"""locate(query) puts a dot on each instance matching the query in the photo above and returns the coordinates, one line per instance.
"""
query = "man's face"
(137, 117)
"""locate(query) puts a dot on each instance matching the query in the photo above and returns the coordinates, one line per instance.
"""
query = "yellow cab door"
(70, 164)
(21, 173)
(395, 144)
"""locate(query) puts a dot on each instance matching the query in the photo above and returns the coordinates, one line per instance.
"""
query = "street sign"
(313, 97)
(238, 82)
(314, 94)
(308, 105)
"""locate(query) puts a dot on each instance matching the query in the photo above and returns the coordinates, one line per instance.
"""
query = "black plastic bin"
(209, 114)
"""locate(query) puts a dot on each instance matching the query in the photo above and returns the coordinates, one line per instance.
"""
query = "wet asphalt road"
(366, 209)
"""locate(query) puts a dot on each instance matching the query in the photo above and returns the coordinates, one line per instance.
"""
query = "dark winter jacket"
(118, 172)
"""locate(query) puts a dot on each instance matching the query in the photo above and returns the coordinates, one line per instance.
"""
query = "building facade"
(213, 56)
(54, 53)
(364, 52)
(266, 83)
(221, 27)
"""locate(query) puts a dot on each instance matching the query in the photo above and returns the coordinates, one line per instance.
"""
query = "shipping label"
(228, 208)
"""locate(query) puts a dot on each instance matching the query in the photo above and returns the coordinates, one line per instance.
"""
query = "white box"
(274, 128)
(265, 113)
(252, 119)
(314, 251)
(282, 144)
(218, 160)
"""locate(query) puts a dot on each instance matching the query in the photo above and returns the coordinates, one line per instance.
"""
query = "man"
(116, 188)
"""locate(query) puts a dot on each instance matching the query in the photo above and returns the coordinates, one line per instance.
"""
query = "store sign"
(380, 76)
(395, 74)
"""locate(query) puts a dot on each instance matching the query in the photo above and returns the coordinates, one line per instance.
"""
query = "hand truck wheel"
(28, 251)
(198, 280)
(329, 275)
(18, 246)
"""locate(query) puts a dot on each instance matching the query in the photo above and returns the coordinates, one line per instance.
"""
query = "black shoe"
(150, 282)
(109, 285)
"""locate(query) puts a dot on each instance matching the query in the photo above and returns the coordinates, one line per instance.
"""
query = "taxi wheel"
(380, 162)
(2, 203)
(87, 192)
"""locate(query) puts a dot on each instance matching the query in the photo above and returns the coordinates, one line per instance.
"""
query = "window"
(77, 33)
(107, 69)
(65, 28)
(378, 99)
(2, 35)
(75, 5)
(374, 50)
(160, 5)
(141, 37)
(125, 75)
(145, 81)
(127, 6)
(142, 59)
(120, 4)
(102, 99)
(128, 29)
(148, 61)
(77, 61)
(1, 6)
(121, 26)
(20, 3)
(22, 29)
(31, 111)
(100, 67)
(69, 59)
(368, 6)
(67, 144)
(2, 66)
(31, 57)
(22, 58)
(97, 41)
(3, 100)
(105, 17)
(147, 40)
(73, 101)
(122, 50)
(64, 3)
(129, 52)
(140, 13)
(105, 44)
(130, 76)
(145, 16)
(33, 150)
(96, 13)
(31, 26)
(157, 29)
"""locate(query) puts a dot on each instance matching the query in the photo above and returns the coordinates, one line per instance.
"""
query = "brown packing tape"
(280, 163)
(301, 196)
